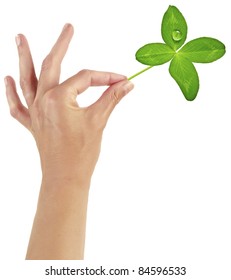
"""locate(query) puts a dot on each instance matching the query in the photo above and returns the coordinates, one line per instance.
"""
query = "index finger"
(86, 78)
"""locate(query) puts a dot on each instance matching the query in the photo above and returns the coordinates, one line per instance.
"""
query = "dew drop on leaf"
(176, 35)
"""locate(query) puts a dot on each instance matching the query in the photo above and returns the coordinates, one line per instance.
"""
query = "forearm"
(59, 226)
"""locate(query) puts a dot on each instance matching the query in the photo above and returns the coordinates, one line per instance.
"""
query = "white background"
(160, 194)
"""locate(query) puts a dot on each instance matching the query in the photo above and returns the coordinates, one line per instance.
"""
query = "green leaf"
(154, 54)
(184, 73)
(174, 28)
(203, 50)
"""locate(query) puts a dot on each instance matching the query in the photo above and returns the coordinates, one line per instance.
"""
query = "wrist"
(62, 195)
(54, 182)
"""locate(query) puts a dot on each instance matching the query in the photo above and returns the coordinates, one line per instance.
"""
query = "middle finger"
(50, 72)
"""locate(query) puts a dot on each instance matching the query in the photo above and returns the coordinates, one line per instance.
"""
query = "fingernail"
(6, 81)
(18, 40)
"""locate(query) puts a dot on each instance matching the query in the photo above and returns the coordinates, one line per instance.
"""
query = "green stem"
(137, 74)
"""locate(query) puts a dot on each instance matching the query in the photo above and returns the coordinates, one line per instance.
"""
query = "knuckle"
(115, 96)
(52, 101)
(85, 73)
(15, 111)
(47, 62)
(50, 98)
(24, 83)
(118, 93)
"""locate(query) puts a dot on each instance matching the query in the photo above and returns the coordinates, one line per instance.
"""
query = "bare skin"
(68, 139)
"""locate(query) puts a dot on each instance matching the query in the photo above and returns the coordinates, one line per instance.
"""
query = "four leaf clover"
(174, 33)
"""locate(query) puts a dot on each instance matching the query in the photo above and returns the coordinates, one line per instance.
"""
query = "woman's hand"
(68, 137)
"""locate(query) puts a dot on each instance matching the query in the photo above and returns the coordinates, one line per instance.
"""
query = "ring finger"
(28, 80)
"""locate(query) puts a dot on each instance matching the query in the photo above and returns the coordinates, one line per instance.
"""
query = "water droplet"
(176, 35)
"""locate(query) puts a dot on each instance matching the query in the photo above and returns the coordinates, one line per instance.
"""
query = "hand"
(68, 137)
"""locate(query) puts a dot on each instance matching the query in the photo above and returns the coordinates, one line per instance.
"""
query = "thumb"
(112, 96)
